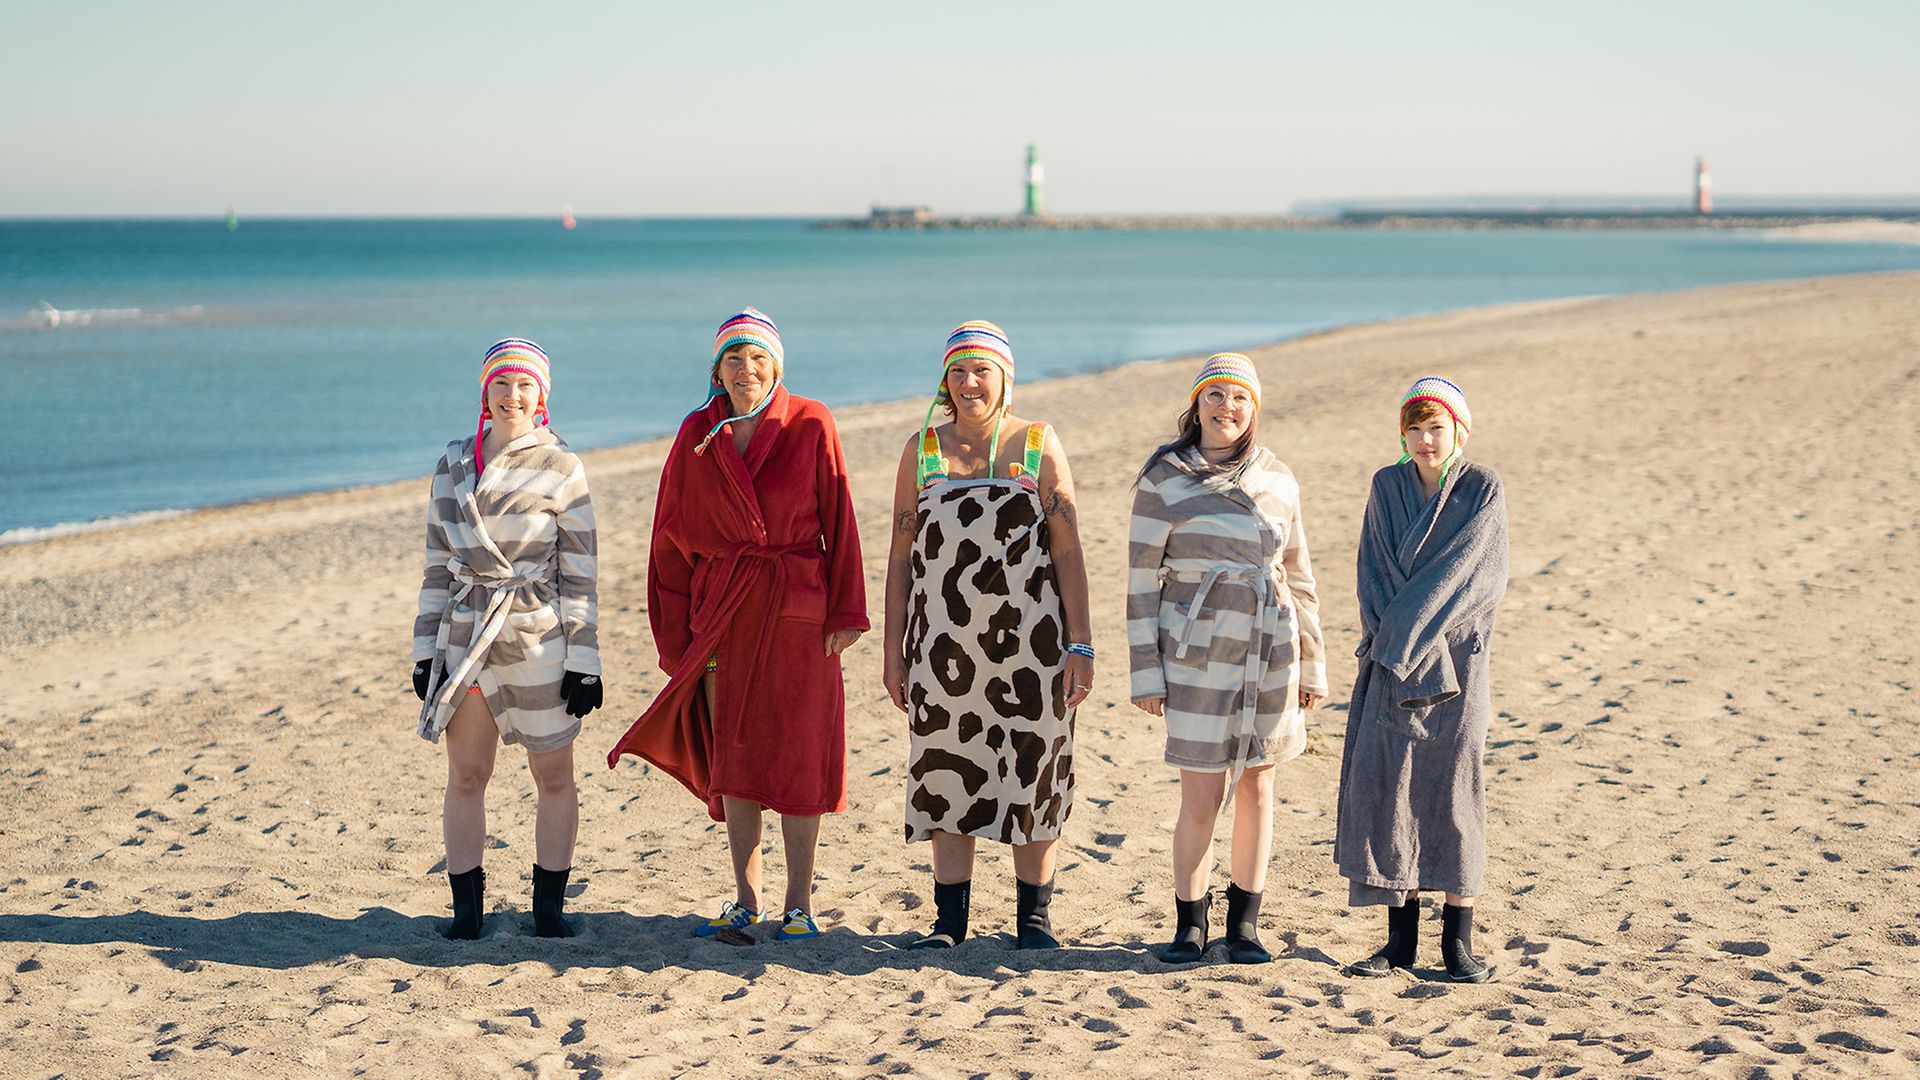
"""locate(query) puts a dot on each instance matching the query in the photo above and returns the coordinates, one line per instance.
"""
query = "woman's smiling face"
(976, 388)
(513, 397)
(746, 373)
(1226, 414)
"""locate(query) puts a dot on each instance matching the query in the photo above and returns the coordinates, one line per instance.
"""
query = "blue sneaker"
(732, 916)
(798, 927)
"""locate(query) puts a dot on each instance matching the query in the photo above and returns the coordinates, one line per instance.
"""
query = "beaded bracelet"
(1079, 649)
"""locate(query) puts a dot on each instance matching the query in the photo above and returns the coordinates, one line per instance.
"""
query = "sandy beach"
(222, 848)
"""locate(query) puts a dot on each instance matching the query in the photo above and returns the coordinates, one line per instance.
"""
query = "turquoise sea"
(165, 365)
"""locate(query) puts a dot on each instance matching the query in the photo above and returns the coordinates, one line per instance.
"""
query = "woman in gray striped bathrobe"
(1223, 629)
(505, 647)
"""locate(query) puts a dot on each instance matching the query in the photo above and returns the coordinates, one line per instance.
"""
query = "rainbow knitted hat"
(1449, 397)
(975, 339)
(1228, 367)
(750, 326)
(978, 339)
(1444, 394)
(512, 354)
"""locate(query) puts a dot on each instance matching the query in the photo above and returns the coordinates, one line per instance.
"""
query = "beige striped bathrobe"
(1222, 617)
(508, 599)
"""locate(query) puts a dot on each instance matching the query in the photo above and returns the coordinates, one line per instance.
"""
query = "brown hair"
(1189, 436)
(1419, 411)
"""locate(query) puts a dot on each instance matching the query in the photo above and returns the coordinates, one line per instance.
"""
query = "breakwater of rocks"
(1354, 220)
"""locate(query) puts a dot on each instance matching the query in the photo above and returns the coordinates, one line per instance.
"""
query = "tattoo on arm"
(903, 521)
(1059, 506)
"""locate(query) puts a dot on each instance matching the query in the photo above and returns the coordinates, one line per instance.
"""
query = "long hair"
(1189, 436)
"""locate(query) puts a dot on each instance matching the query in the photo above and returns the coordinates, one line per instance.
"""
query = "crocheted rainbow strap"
(933, 464)
(1027, 470)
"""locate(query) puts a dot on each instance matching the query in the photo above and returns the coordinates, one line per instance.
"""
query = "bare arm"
(1063, 531)
(1069, 560)
(900, 531)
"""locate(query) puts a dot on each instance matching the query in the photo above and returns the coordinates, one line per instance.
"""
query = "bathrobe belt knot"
(1261, 579)
(501, 586)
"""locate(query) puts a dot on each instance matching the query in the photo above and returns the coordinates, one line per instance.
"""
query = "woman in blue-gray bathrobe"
(1432, 570)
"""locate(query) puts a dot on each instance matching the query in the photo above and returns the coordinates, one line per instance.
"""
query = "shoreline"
(60, 531)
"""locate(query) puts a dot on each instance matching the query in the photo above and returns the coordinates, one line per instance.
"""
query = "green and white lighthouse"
(1035, 177)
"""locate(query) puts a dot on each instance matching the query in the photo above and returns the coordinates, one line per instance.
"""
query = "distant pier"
(919, 219)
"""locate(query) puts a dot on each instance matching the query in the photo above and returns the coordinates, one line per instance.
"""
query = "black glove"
(582, 692)
(421, 672)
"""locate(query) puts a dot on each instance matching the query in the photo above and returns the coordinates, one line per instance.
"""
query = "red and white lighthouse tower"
(1702, 187)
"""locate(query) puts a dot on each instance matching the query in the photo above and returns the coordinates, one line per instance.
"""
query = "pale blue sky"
(760, 108)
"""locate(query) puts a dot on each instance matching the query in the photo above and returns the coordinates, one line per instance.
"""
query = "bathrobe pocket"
(806, 589)
(1180, 622)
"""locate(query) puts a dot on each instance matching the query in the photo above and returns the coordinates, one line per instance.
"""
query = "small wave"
(45, 316)
(75, 528)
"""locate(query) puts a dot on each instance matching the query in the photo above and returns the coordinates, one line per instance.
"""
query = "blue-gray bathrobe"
(1413, 811)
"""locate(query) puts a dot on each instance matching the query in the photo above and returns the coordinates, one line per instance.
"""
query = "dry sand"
(1869, 231)
(222, 846)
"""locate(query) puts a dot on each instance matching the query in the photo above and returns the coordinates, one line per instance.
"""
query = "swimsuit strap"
(1027, 470)
(931, 466)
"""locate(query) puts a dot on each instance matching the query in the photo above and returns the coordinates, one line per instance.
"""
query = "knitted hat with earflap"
(749, 326)
(976, 339)
(1449, 397)
(518, 355)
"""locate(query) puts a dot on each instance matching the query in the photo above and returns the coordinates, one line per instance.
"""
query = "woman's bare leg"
(557, 814)
(952, 858)
(743, 841)
(1033, 862)
(471, 739)
(1253, 829)
(743, 824)
(802, 837)
(1200, 797)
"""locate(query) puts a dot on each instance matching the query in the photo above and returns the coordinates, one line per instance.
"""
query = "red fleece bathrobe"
(755, 560)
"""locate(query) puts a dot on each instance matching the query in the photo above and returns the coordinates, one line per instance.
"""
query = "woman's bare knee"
(552, 771)
(468, 777)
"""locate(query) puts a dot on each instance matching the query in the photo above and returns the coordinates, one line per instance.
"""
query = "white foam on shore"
(76, 528)
(48, 317)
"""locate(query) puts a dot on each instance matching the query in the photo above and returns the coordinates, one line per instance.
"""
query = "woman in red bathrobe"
(754, 588)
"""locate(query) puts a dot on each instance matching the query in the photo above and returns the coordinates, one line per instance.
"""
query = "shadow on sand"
(647, 943)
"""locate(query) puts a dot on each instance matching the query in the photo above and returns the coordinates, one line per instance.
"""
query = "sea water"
(155, 366)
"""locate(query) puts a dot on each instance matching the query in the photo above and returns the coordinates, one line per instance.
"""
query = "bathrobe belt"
(1266, 618)
(435, 712)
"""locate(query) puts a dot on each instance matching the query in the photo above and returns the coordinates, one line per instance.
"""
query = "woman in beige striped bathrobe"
(1223, 629)
(505, 647)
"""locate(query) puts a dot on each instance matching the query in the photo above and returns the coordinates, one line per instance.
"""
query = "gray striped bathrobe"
(1222, 617)
(508, 599)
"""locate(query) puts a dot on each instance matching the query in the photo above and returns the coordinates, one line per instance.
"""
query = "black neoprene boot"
(1456, 945)
(1243, 927)
(1034, 930)
(550, 901)
(1403, 934)
(1190, 936)
(951, 903)
(469, 899)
